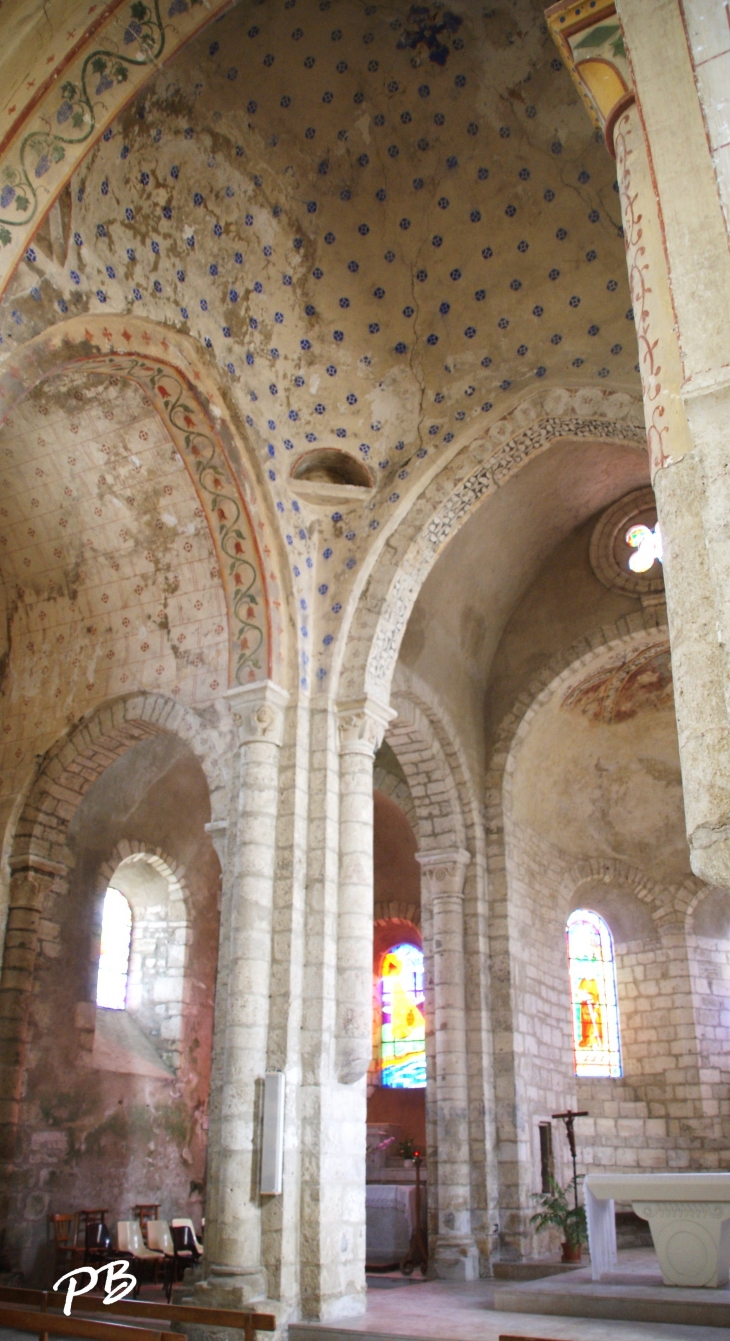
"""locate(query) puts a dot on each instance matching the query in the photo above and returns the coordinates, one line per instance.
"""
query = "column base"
(454, 1258)
(231, 1287)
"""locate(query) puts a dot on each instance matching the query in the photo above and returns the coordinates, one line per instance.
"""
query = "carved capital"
(362, 723)
(258, 711)
(443, 871)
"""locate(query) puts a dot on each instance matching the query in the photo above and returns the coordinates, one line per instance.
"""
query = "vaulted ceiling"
(385, 225)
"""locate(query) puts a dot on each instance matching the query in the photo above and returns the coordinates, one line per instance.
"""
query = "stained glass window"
(403, 1029)
(116, 933)
(596, 1046)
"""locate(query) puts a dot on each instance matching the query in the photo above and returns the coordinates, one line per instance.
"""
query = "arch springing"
(403, 1027)
(116, 936)
(594, 999)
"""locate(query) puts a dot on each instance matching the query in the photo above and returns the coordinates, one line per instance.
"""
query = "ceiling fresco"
(111, 574)
(385, 225)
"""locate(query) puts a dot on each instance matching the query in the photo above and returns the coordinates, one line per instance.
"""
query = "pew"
(43, 1300)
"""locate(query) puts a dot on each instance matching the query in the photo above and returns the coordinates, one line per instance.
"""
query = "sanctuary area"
(365, 643)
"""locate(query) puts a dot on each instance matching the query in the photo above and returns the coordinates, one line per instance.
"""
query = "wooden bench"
(44, 1300)
(46, 1324)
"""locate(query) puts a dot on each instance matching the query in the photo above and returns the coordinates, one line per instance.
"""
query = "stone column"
(233, 1270)
(689, 485)
(676, 229)
(29, 888)
(454, 1256)
(361, 725)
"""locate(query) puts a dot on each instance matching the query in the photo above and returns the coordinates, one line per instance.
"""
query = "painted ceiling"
(109, 568)
(384, 224)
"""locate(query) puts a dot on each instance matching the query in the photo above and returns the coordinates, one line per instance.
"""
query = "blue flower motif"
(373, 328)
(339, 336)
(197, 198)
(101, 295)
(400, 347)
(432, 339)
(75, 276)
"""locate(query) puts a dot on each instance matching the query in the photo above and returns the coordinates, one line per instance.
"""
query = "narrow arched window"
(403, 1028)
(116, 932)
(596, 1045)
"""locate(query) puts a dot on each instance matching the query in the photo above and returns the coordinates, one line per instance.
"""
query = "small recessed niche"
(329, 465)
(328, 476)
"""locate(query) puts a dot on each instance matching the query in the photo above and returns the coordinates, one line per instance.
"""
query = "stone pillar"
(676, 229)
(361, 725)
(454, 1256)
(679, 275)
(233, 1271)
(28, 890)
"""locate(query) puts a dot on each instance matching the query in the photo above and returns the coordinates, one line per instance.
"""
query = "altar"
(688, 1215)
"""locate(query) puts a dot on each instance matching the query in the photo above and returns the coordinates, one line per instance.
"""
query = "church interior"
(365, 663)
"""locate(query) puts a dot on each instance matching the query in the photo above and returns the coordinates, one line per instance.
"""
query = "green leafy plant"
(407, 1148)
(555, 1211)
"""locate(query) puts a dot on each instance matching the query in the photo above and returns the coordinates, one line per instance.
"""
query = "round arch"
(389, 583)
(166, 366)
(40, 861)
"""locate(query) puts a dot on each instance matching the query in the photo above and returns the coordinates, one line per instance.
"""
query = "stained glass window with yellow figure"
(596, 1043)
(403, 1029)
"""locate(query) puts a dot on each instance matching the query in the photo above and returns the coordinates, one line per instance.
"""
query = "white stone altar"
(689, 1219)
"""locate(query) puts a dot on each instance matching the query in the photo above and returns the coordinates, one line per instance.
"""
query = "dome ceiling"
(385, 226)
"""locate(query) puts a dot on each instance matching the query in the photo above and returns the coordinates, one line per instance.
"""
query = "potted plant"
(570, 1220)
(407, 1151)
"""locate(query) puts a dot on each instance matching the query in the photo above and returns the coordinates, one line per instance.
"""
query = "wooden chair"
(67, 1253)
(98, 1243)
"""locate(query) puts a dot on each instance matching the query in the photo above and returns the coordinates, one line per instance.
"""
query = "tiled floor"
(442, 1311)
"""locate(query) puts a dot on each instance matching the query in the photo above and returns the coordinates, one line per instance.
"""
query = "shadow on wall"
(115, 1107)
